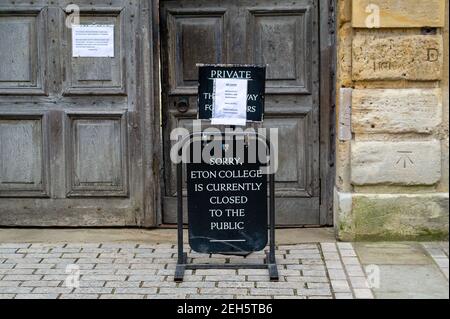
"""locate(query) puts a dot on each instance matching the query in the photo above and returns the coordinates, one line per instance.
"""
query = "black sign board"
(227, 205)
(256, 76)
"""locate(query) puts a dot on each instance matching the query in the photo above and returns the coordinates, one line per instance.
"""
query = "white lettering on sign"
(92, 40)
(250, 97)
(218, 74)
(229, 102)
(223, 218)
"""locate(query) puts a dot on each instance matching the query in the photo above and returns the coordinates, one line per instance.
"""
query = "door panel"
(281, 39)
(97, 156)
(189, 32)
(292, 175)
(97, 75)
(70, 128)
(283, 35)
(24, 164)
(23, 51)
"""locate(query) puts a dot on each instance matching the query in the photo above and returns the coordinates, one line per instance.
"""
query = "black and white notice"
(227, 206)
(229, 91)
(229, 102)
(93, 40)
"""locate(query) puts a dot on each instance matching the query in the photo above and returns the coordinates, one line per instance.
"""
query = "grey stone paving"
(346, 274)
(128, 270)
(439, 253)
(145, 271)
(403, 270)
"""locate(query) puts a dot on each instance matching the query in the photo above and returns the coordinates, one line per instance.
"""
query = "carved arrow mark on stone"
(405, 158)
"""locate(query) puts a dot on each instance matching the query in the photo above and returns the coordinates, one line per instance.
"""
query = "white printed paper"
(92, 40)
(229, 102)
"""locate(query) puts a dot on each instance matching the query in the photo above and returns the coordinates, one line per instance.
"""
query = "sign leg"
(182, 256)
(271, 262)
(273, 272)
(272, 267)
(180, 268)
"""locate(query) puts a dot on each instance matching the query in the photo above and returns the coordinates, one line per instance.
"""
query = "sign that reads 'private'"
(217, 82)
(227, 206)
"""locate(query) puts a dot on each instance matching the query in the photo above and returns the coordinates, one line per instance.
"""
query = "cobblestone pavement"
(439, 253)
(128, 270)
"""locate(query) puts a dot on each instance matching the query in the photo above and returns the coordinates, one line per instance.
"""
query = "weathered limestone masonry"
(392, 143)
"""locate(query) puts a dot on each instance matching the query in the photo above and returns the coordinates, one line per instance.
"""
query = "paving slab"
(411, 282)
(392, 253)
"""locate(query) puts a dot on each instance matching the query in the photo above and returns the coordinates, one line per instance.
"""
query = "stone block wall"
(392, 144)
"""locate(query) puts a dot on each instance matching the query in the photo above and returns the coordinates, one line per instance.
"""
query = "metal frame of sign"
(182, 261)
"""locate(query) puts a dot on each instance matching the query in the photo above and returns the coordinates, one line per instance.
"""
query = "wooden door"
(71, 128)
(282, 34)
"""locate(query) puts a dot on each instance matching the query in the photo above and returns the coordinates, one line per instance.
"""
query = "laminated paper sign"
(229, 102)
(93, 40)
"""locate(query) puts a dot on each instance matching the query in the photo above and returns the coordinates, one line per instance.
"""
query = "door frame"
(327, 91)
(149, 48)
(327, 68)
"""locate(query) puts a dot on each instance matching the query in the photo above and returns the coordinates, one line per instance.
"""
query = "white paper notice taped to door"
(229, 102)
(92, 40)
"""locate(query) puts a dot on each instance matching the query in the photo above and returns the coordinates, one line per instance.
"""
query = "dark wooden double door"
(80, 138)
(282, 34)
(71, 128)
